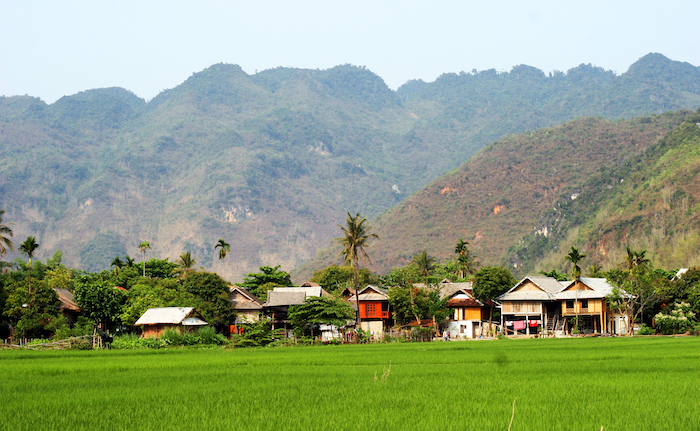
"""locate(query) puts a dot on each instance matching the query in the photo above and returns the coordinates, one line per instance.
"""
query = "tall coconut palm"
(28, 247)
(465, 260)
(145, 245)
(356, 236)
(223, 247)
(5, 235)
(575, 257)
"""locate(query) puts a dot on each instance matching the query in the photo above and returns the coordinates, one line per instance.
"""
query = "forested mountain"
(272, 161)
(596, 184)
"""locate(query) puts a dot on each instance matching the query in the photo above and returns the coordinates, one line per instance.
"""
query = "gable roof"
(447, 288)
(250, 302)
(371, 293)
(66, 298)
(547, 289)
(599, 288)
(185, 316)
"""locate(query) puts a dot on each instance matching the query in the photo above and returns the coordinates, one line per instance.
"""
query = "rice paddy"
(558, 384)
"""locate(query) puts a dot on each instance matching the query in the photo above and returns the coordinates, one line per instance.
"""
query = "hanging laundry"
(518, 325)
(534, 323)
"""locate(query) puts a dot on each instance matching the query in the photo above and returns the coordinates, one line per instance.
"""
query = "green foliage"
(410, 303)
(491, 282)
(99, 299)
(335, 278)
(213, 291)
(555, 274)
(258, 283)
(645, 330)
(32, 311)
(676, 320)
(257, 334)
(320, 311)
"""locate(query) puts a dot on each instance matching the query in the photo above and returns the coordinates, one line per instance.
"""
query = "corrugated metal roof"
(600, 289)
(166, 315)
(307, 290)
(193, 321)
(276, 298)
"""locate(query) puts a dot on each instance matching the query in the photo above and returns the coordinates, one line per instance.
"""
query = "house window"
(569, 304)
(584, 303)
(370, 309)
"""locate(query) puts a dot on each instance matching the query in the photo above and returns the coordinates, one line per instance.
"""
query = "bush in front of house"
(677, 321)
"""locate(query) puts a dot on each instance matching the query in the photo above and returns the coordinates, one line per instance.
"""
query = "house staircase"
(555, 325)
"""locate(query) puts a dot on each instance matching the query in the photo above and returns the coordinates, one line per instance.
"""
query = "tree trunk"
(358, 321)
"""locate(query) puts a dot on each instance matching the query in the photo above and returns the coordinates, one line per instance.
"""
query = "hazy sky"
(52, 48)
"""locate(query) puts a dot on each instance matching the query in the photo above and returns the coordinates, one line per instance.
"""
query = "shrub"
(679, 320)
(645, 330)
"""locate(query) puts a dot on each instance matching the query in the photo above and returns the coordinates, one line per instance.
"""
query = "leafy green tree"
(214, 292)
(223, 247)
(356, 236)
(258, 283)
(335, 278)
(409, 302)
(32, 310)
(59, 277)
(5, 235)
(320, 311)
(145, 245)
(636, 287)
(28, 247)
(257, 334)
(141, 298)
(491, 282)
(465, 260)
(99, 299)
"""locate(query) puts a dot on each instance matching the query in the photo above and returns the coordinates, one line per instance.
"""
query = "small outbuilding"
(156, 320)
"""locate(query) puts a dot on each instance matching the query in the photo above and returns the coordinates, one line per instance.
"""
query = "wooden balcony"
(376, 314)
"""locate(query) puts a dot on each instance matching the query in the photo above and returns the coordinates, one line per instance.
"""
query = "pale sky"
(50, 49)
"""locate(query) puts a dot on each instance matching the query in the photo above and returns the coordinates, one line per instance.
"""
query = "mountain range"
(271, 162)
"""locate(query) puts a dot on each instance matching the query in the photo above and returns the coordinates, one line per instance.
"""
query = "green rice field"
(557, 384)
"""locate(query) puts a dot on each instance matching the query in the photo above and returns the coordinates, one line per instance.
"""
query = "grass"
(571, 384)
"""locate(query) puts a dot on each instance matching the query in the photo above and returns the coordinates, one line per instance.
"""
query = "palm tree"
(425, 264)
(117, 264)
(5, 235)
(185, 263)
(575, 257)
(143, 247)
(356, 236)
(223, 247)
(28, 247)
(129, 261)
(635, 259)
(465, 259)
